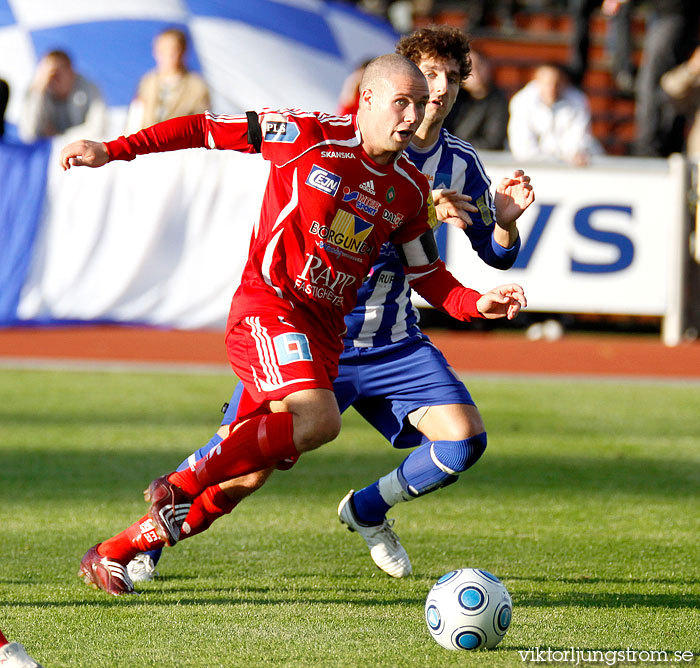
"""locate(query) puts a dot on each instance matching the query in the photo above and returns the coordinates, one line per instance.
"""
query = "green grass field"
(586, 504)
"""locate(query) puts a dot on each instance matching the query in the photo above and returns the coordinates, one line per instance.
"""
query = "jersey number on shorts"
(292, 347)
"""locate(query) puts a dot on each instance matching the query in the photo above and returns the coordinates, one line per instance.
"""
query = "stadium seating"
(536, 37)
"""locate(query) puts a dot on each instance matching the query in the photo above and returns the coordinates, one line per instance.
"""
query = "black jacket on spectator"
(483, 123)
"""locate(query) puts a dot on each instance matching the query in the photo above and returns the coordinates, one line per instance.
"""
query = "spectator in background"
(619, 14)
(480, 114)
(671, 35)
(60, 99)
(349, 98)
(4, 97)
(550, 120)
(482, 13)
(682, 85)
(170, 90)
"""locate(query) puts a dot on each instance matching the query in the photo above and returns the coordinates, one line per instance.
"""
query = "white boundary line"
(117, 366)
(186, 368)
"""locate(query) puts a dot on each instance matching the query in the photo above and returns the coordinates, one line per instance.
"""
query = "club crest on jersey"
(346, 231)
(390, 195)
(323, 180)
(277, 128)
(364, 203)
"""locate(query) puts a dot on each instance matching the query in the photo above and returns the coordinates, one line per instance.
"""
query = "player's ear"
(367, 97)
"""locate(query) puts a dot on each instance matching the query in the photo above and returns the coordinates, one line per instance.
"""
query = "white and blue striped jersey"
(384, 314)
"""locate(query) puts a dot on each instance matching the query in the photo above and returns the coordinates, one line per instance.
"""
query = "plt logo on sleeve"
(277, 128)
(323, 180)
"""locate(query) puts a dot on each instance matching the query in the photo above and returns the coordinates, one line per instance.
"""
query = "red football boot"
(169, 508)
(105, 574)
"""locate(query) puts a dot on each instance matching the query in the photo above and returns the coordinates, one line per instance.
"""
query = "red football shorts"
(274, 358)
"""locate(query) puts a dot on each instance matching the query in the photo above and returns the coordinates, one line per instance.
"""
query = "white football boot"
(13, 655)
(141, 568)
(384, 546)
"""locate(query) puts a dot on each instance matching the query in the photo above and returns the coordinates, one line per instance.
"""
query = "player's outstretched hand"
(513, 195)
(453, 207)
(503, 301)
(84, 153)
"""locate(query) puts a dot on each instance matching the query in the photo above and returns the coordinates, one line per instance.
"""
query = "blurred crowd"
(548, 118)
(61, 100)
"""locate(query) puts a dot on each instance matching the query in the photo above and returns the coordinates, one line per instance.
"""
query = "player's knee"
(328, 429)
(454, 457)
(314, 431)
(316, 417)
(451, 422)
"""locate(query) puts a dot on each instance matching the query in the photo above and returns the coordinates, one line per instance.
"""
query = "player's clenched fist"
(84, 153)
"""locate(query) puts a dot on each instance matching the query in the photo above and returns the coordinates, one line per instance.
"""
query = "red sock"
(141, 536)
(258, 443)
(3, 639)
(209, 506)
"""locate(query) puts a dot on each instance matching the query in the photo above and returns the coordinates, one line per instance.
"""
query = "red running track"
(603, 355)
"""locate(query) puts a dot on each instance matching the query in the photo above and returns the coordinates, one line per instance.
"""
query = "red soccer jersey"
(327, 210)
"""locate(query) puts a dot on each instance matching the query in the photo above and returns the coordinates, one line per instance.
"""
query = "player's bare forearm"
(505, 235)
(84, 153)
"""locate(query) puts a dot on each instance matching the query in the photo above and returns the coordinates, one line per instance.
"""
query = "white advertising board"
(596, 240)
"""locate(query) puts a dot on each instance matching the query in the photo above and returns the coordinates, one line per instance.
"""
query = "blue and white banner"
(161, 240)
(252, 53)
(602, 239)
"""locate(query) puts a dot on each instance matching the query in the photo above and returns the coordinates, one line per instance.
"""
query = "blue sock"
(417, 475)
(437, 464)
(369, 505)
(155, 555)
(202, 452)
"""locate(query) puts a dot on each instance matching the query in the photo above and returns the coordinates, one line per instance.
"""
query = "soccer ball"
(468, 609)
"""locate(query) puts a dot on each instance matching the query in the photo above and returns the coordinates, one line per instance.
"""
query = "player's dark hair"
(441, 42)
